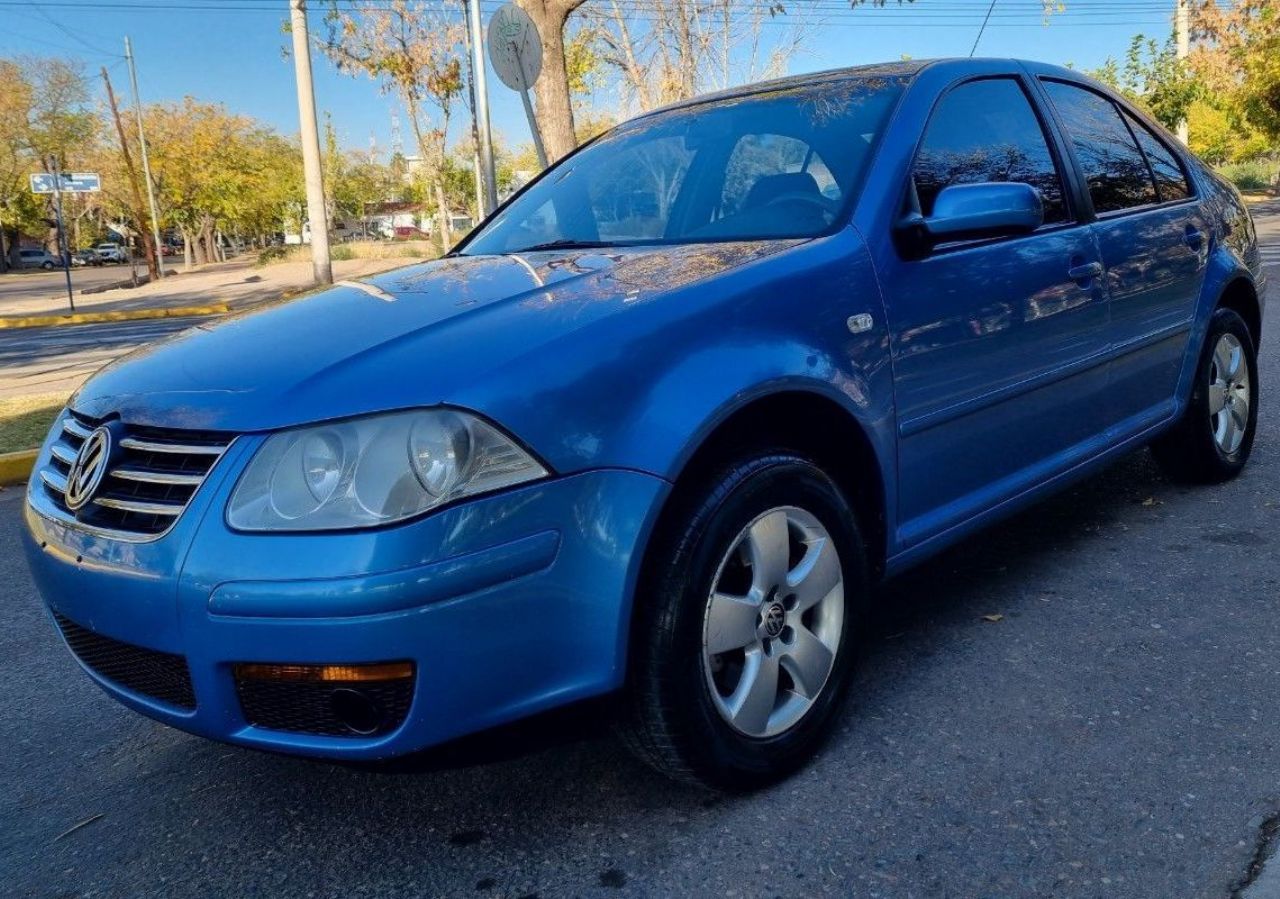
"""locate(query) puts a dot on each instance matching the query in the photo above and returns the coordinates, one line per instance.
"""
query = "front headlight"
(375, 470)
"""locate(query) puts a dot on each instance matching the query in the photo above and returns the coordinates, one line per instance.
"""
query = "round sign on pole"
(514, 47)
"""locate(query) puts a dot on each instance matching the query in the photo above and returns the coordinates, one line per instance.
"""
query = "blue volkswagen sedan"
(655, 427)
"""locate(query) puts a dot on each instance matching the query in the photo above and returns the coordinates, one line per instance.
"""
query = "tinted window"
(777, 164)
(760, 156)
(1113, 165)
(631, 200)
(1171, 181)
(987, 131)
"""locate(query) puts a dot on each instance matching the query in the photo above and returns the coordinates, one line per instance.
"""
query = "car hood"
(414, 336)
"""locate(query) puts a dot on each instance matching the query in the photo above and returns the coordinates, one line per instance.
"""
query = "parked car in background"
(112, 252)
(86, 257)
(655, 427)
(37, 259)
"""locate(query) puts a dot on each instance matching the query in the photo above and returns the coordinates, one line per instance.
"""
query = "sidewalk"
(237, 283)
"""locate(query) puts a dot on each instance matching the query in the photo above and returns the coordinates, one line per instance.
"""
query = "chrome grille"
(153, 475)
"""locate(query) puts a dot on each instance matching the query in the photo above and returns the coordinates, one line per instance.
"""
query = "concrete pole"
(481, 105)
(146, 162)
(1182, 26)
(311, 169)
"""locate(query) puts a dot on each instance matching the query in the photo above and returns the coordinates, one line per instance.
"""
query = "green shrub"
(1255, 175)
(272, 254)
(342, 252)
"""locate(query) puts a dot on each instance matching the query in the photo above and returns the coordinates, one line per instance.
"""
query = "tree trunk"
(443, 223)
(205, 244)
(554, 111)
(188, 254)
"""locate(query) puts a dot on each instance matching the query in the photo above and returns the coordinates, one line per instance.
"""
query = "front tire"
(743, 643)
(1212, 441)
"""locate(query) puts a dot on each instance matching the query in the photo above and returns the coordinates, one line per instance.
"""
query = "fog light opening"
(356, 709)
(382, 671)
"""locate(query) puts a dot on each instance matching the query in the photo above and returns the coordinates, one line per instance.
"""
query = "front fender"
(642, 389)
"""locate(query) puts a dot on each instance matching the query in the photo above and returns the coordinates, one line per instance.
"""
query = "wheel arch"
(1240, 296)
(804, 421)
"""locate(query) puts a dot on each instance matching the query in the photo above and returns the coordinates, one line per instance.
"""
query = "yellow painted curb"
(129, 315)
(15, 468)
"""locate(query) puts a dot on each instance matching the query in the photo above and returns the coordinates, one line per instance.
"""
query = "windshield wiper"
(567, 244)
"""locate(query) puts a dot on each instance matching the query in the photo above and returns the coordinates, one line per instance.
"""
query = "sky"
(230, 51)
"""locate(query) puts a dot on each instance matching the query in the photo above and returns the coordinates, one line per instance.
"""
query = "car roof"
(907, 68)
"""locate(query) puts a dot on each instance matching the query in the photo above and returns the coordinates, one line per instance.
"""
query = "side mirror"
(977, 211)
(971, 211)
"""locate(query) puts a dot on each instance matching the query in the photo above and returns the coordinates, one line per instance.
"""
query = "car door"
(1154, 239)
(996, 344)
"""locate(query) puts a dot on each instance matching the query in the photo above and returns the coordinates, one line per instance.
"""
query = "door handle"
(1194, 237)
(1085, 272)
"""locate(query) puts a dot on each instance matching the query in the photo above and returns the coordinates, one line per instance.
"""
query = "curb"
(15, 468)
(122, 284)
(131, 315)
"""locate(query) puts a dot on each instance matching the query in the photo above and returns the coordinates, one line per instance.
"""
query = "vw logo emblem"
(774, 619)
(88, 469)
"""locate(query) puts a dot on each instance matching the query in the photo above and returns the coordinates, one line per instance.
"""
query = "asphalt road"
(22, 285)
(1114, 734)
(48, 360)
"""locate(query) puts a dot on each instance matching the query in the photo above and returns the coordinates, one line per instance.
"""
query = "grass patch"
(357, 249)
(25, 420)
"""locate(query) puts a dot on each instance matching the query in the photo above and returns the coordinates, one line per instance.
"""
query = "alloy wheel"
(773, 622)
(1229, 393)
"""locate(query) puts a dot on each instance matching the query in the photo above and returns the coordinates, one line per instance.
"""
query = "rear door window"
(987, 131)
(1114, 167)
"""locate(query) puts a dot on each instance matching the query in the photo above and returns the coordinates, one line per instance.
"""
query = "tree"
(1237, 56)
(552, 89)
(43, 117)
(357, 180)
(1153, 77)
(216, 172)
(688, 48)
(415, 51)
(555, 111)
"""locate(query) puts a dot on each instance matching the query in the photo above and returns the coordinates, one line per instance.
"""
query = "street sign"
(514, 47)
(72, 183)
(516, 53)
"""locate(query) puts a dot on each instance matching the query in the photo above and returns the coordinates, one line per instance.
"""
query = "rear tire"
(1212, 440)
(743, 641)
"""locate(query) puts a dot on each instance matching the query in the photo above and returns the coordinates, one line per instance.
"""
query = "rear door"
(1154, 240)
(997, 345)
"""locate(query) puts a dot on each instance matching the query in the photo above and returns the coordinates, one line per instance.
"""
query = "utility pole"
(1182, 26)
(475, 122)
(480, 106)
(146, 162)
(148, 246)
(316, 214)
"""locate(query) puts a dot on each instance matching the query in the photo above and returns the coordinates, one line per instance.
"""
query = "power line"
(69, 32)
(48, 43)
(257, 6)
(986, 19)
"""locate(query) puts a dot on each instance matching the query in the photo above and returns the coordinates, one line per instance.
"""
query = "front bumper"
(506, 605)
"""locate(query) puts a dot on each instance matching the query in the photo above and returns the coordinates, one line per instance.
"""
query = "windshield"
(781, 164)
